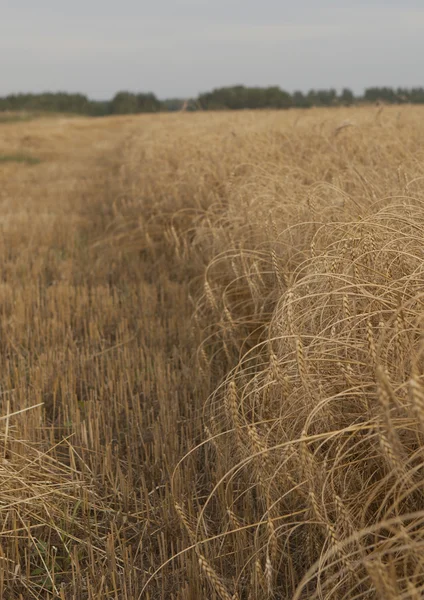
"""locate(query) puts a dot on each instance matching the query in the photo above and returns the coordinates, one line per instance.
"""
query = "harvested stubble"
(225, 327)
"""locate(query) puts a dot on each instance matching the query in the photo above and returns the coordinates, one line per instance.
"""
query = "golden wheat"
(211, 356)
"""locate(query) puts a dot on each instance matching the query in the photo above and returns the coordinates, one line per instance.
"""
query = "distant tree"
(51, 102)
(239, 97)
(347, 97)
(278, 98)
(311, 98)
(381, 94)
(235, 97)
(100, 108)
(416, 95)
(124, 103)
(147, 103)
(128, 103)
(300, 100)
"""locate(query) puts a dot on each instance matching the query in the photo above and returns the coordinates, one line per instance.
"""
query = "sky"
(178, 48)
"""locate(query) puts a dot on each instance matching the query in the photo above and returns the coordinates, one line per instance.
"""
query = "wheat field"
(212, 356)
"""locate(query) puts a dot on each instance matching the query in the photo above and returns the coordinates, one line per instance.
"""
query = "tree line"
(225, 98)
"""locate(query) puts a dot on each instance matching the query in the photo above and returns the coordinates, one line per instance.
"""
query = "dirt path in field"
(97, 330)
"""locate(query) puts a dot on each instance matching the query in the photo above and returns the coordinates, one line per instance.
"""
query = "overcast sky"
(183, 47)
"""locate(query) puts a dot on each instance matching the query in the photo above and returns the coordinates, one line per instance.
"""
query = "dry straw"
(215, 321)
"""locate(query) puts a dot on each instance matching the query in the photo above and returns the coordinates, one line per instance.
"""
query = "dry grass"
(212, 357)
